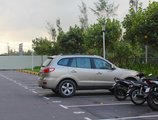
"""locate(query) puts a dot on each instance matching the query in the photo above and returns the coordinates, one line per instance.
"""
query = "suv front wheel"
(67, 88)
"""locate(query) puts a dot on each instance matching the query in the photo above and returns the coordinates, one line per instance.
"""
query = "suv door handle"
(99, 73)
(73, 71)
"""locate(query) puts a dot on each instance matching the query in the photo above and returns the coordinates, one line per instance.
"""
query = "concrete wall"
(20, 62)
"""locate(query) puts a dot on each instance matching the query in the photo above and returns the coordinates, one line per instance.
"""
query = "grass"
(35, 69)
(145, 68)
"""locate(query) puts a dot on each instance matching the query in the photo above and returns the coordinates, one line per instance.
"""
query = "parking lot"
(85, 105)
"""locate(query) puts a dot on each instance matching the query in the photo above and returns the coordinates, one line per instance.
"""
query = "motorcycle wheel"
(152, 101)
(137, 100)
(120, 92)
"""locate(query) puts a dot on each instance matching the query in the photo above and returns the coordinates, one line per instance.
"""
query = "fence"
(20, 62)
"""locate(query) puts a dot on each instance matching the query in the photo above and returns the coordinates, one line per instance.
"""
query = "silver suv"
(64, 74)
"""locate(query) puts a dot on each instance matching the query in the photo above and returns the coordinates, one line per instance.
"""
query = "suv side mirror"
(113, 67)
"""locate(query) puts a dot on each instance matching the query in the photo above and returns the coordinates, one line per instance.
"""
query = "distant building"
(20, 49)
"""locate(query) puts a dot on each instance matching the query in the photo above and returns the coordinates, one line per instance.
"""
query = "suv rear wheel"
(67, 88)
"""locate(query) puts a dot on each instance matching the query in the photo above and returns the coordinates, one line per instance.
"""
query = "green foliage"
(51, 31)
(102, 8)
(83, 18)
(93, 39)
(123, 51)
(150, 26)
(132, 24)
(144, 68)
(71, 41)
(42, 46)
(142, 26)
(94, 36)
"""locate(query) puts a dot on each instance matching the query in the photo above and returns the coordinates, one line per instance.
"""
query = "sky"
(21, 21)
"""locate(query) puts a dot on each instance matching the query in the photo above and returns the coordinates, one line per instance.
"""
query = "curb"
(28, 72)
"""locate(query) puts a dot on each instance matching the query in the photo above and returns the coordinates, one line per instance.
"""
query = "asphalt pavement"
(22, 99)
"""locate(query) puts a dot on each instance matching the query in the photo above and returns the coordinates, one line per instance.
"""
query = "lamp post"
(146, 49)
(103, 29)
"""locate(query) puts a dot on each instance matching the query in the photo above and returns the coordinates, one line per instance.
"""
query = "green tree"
(42, 46)
(52, 31)
(142, 26)
(104, 9)
(71, 41)
(150, 25)
(93, 36)
(132, 23)
(28, 52)
(83, 17)
(134, 4)
(124, 51)
(58, 23)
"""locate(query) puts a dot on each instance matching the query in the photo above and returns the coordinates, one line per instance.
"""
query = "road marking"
(86, 118)
(32, 89)
(78, 112)
(7, 78)
(11, 80)
(15, 82)
(19, 84)
(25, 87)
(34, 92)
(63, 106)
(46, 98)
(93, 105)
(56, 101)
(135, 117)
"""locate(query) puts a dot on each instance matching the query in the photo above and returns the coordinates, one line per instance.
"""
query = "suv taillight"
(48, 69)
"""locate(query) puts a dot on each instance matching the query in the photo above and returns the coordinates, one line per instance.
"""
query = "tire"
(152, 101)
(67, 88)
(111, 90)
(120, 92)
(134, 97)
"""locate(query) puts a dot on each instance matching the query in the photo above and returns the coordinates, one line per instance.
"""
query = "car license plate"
(147, 90)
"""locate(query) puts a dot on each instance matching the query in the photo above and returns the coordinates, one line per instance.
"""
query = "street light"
(146, 49)
(103, 29)
(103, 15)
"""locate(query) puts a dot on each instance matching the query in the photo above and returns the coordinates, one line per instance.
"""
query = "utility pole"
(146, 48)
(103, 29)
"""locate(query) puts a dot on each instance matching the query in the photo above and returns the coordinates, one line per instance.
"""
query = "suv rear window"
(47, 62)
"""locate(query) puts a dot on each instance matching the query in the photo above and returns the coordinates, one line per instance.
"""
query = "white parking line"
(56, 101)
(86, 118)
(94, 105)
(11, 80)
(46, 98)
(78, 112)
(135, 117)
(7, 78)
(25, 87)
(63, 106)
(34, 91)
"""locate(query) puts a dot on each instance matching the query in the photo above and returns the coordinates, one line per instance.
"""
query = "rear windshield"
(47, 62)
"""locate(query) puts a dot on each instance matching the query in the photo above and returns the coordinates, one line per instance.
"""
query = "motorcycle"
(152, 99)
(140, 90)
(121, 88)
